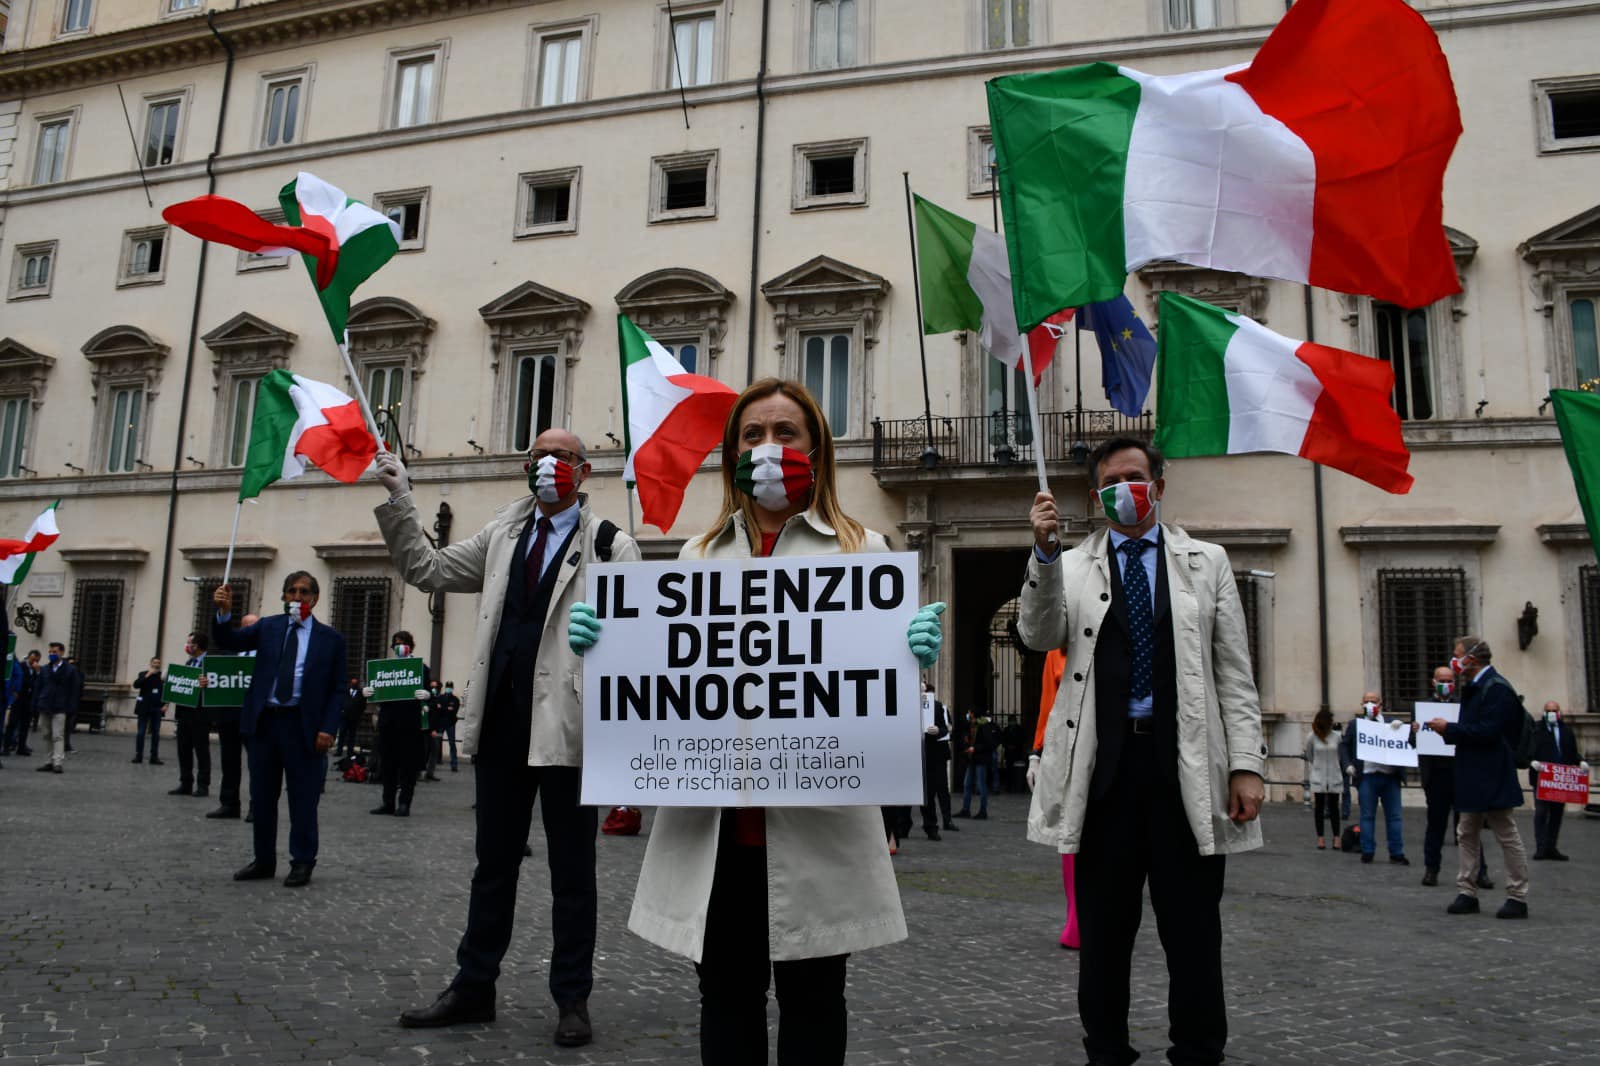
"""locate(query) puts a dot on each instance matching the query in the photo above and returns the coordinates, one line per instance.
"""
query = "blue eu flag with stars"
(1127, 352)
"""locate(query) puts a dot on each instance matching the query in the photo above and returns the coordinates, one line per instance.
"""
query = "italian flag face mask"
(550, 479)
(776, 477)
(1129, 503)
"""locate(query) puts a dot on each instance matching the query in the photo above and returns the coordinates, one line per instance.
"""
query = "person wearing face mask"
(1438, 774)
(1553, 742)
(1152, 763)
(1376, 783)
(20, 721)
(449, 709)
(430, 732)
(193, 727)
(1486, 737)
(55, 693)
(400, 738)
(148, 706)
(522, 715)
(355, 708)
(737, 890)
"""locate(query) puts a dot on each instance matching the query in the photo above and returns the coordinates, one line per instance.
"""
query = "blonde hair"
(824, 494)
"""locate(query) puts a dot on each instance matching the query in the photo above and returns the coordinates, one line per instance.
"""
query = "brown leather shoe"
(573, 1030)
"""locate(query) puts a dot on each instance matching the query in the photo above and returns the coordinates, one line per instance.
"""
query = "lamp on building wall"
(73, 466)
(196, 462)
(30, 618)
(1527, 625)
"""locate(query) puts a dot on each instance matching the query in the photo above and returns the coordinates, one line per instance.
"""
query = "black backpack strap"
(603, 538)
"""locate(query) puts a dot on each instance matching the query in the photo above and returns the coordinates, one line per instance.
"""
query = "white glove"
(1536, 765)
(422, 693)
(1584, 767)
(390, 472)
(932, 730)
(368, 692)
(1033, 772)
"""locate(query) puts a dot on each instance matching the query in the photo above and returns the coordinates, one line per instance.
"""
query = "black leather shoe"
(139, 759)
(1512, 908)
(45, 768)
(1556, 855)
(1399, 860)
(962, 814)
(1484, 882)
(952, 827)
(453, 1007)
(1430, 877)
(1365, 857)
(256, 871)
(156, 762)
(573, 1030)
(980, 816)
(381, 810)
(223, 812)
(201, 793)
(1463, 904)
(180, 791)
(933, 834)
(429, 777)
(403, 811)
(299, 875)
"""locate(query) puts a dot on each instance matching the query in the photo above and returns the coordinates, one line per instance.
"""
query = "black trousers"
(506, 793)
(1136, 832)
(230, 750)
(17, 726)
(935, 790)
(1326, 803)
(194, 746)
(400, 759)
(1546, 825)
(735, 971)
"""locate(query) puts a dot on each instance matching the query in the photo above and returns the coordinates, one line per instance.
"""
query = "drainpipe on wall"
(1322, 541)
(194, 337)
(755, 231)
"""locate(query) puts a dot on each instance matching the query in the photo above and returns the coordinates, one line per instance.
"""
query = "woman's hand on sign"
(926, 635)
(583, 628)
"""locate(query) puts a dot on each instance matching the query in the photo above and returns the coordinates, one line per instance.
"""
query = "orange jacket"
(1055, 664)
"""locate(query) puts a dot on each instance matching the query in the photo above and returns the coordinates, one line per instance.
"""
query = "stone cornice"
(283, 24)
(105, 553)
(353, 550)
(242, 553)
(1398, 535)
(1242, 538)
(1561, 534)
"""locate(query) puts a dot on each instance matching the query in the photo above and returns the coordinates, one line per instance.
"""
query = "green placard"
(228, 679)
(181, 687)
(11, 644)
(392, 680)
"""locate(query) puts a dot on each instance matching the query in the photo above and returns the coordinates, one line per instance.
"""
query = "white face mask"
(1552, 717)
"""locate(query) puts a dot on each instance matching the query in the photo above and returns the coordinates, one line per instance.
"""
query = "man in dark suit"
(1553, 742)
(193, 728)
(1153, 760)
(1486, 738)
(935, 764)
(230, 750)
(291, 713)
(22, 708)
(55, 694)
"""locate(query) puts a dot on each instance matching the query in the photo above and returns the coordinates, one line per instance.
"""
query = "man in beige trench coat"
(1152, 764)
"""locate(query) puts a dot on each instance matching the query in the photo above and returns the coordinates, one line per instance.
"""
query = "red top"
(750, 823)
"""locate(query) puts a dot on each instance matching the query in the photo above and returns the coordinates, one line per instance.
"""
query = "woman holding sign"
(780, 895)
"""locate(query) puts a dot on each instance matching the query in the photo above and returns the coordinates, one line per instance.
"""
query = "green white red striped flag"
(360, 240)
(1227, 385)
(16, 556)
(671, 419)
(300, 421)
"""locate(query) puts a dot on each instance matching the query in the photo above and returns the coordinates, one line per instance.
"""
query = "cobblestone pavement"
(123, 940)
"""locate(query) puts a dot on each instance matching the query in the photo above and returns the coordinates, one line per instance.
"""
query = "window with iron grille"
(361, 613)
(1420, 614)
(1250, 592)
(204, 608)
(1589, 599)
(96, 626)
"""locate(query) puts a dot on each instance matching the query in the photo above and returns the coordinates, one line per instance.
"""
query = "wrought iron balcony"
(997, 442)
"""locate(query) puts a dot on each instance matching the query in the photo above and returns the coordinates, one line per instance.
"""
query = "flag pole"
(629, 490)
(1034, 421)
(361, 393)
(930, 455)
(233, 538)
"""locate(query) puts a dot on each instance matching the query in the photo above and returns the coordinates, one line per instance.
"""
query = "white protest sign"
(753, 682)
(1385, 742)
(1429, 742)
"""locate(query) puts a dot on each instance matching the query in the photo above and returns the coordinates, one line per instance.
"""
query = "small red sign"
(1563, 784)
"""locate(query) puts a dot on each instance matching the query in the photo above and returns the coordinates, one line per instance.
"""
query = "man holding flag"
(530, 564)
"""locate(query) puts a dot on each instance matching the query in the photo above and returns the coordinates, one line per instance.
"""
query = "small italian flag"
(300, 421)
(966, 285)
(1321, 161)
(1226, 385)
(16, 556)
(671, 419)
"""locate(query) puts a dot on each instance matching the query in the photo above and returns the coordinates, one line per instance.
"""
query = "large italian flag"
(671, 418)
(360, 240)
(299, 421)
(16, 556)
(1227, 385)
(1321, 161)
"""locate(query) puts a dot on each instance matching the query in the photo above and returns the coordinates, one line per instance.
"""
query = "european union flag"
(1127, 352)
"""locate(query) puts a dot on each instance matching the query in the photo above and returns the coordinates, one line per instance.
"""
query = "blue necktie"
(284, 692)
(1141, 621)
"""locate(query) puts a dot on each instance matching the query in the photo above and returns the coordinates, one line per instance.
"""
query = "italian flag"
(16, 556)
(1320, 161)
(300, 421)
(1226, 385)
(966, 285)
(360, 240)
(671, 419)
(1578, 417)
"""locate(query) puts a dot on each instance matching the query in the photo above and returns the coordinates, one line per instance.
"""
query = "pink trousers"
(1069, 932)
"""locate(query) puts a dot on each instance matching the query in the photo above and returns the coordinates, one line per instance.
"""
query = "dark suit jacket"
(321, 684)
(56, 689)
(1113, 663)
(1546, 748)
(1486, 741)
(938, 748)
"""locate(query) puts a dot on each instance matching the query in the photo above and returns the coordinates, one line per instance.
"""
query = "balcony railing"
(998, 440)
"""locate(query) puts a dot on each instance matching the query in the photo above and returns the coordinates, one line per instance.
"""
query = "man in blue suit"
(291, 713)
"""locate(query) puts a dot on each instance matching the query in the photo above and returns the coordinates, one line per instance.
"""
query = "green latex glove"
(583, 628)
(926, 635)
